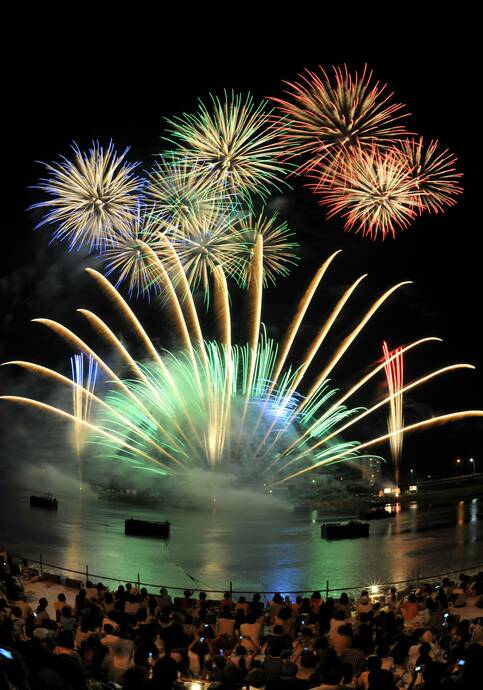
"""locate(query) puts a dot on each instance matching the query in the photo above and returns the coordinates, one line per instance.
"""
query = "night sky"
(66, 94)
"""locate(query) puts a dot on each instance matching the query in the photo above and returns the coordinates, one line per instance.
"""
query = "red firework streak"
(395, 420)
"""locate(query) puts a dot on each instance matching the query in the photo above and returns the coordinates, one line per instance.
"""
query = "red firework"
(373, 191)
(327, 117)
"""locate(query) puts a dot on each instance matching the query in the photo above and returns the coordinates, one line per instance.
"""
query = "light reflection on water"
(264, 551)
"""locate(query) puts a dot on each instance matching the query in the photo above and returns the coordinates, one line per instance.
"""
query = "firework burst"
(234, 142)
(92, 197)
(434, 173)
(206, 241)
(373, 191)
(328, 117)
(215, 402)
(131, 254)
(177, 189)
(278, 246)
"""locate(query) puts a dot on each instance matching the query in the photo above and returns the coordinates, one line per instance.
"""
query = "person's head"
(374, 663)
(383, 650)
(227, 595)
(332, 674)
(66, 612)
(424, 649)
(65, 639)
(277, 630)
(277, 598)
(225, 613)
(316, 595)
(339, 616)
(108, 629)
(381, 680)
(43, 603)
(344, 599)
(256, 678)
(308, 659)
(202, 596)
(16, 612)
(61, 597)
(347, 673)
(128, 587)
(256, 598)
(412, 598)
(187, 593)
(289, 669)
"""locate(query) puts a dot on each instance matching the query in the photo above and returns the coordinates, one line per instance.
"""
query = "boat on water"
(344, 530)
(47, 501)
(146, 528)
(375, 514)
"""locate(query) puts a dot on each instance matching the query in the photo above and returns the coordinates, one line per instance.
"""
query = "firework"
(91, 197)
(82, 395)
(433, 172)
(394, 370)
(374, 191)
(177, 189)
(127, 254)
(212, 404)
(326, 118)
(234, 142)
(278, 246)
(206, 241)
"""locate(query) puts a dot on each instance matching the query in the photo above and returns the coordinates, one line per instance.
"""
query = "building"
(371, 470)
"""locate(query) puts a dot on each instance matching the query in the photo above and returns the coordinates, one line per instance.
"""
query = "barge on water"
(48, 502)
(344, 530)
(145, 528)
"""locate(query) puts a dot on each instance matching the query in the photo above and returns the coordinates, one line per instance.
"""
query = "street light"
(458, 463)
(473, 463)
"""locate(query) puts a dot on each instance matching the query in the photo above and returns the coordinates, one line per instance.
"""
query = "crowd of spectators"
(136, 640)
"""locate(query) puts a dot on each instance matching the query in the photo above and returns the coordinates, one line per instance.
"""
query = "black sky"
(66, 91)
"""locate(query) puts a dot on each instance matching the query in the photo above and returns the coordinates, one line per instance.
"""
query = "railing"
(379, 586)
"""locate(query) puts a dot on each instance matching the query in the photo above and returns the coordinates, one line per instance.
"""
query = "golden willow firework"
(326, 117)
(220, 405)
(91, 197)
(234, 142)
(394, 370)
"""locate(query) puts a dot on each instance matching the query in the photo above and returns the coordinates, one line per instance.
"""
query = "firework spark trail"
(157, 402)
(59, 378)
(394, 370)
(441, 419)
(327, 118)
(359, 384)
(81, 400)
(186, 298)
(92, 427)
(319, 339)
(391, 398)
(79, 344)
(93, 197)
(343, 347)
